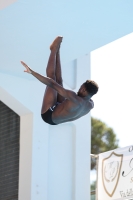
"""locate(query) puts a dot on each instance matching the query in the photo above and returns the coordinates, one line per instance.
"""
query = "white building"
(53, 161)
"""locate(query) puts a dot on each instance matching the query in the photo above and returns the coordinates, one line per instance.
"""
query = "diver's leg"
(50, 95)
(58, 74)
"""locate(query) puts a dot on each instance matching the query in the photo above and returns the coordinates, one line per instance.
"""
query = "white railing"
(93, 192)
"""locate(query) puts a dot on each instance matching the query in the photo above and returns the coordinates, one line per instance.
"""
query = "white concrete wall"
(113, 103)
(25, 151)
(60, 154)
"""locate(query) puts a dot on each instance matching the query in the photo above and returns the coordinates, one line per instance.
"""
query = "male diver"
(59, 104)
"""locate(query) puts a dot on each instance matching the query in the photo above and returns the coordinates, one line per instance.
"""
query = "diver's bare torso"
(69, 111)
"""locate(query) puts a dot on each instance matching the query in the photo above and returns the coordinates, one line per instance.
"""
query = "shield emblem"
(111, 167)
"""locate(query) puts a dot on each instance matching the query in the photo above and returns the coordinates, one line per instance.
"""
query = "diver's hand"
(28, 70)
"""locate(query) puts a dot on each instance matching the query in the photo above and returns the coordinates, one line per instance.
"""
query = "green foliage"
(103, 138)
(93, 186)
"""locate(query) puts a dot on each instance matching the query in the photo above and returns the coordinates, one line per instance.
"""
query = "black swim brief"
(47, 116)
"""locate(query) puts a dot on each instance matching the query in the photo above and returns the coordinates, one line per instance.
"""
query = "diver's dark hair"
(91, 87)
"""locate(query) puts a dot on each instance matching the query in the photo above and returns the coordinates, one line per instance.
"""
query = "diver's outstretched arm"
(51, 83)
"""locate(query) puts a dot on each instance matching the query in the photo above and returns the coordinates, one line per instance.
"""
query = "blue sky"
(28, 27)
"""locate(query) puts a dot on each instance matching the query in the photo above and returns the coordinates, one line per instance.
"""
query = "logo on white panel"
(111, 167)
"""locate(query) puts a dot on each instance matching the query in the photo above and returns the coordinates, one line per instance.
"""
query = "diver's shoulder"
(91, 102)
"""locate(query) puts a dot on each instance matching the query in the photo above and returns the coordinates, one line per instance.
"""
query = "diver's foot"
(56, 44)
